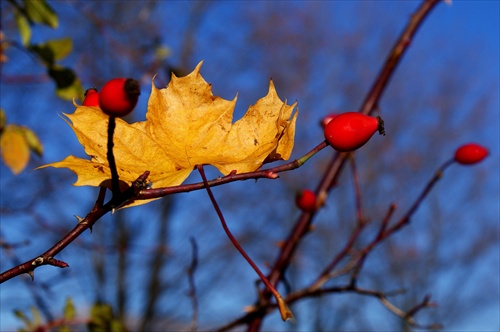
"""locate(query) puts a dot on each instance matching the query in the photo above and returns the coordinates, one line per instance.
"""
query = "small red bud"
(91, 98)
(306, 200)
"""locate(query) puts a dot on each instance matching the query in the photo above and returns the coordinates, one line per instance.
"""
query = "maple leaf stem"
(111, 157)
(302, 160)
(285, 312)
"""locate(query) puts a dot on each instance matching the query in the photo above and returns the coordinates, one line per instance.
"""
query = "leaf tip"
(198, 66)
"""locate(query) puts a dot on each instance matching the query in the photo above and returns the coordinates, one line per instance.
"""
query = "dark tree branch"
(192, 285)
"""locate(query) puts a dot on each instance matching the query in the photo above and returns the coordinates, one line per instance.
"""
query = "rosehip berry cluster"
(117, 98)
(350, 131)
(470, 153)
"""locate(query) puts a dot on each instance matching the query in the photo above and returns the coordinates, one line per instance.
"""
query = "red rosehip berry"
(119, 96)
(349, 131)
(327, 119)
(91, 98)
(470, 153)
(306, 200)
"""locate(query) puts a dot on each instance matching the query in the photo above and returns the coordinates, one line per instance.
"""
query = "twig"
(192, 286)
(115, 184)
(364, 253)
(357, 189)
(327, 272)
(269, 173)
(404, 221)
(83, 224)
(38, 298)
(406, 218)
(383, 297)
(285, 312)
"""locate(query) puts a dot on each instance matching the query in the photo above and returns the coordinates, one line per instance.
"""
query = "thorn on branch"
(84, 222)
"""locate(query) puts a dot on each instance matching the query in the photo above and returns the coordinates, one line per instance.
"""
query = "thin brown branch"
(269, 173)
(327, 272)
(383, 297)
(192, 285)
(399, 49)
(357, 189)
(364, 253)
(406, 218)
(285, 312)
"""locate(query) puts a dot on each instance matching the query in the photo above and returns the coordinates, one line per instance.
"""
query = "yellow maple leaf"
(186, 125)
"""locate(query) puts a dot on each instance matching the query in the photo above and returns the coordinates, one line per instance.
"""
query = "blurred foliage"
(30, 324)
(28, 14)
(102, 319)
(16, 142)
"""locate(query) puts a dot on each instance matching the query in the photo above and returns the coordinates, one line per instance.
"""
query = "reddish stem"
(286, 314)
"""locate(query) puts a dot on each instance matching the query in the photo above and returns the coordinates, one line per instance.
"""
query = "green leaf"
(33, 141)
(52, 50)
(39, 11)
(101, 316)
(68, 86)
(60, 47)
(69, 309)
(37, 317)
(19, 314)
(102, 319)
(162, 52)
(24, 28)
(75, 90)
(117, 326)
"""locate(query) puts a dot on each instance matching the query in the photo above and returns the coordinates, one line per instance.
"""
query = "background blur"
(325, 55)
